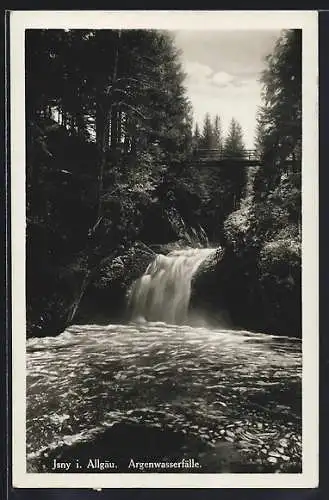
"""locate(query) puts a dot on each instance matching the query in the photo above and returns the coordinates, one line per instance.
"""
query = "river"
(164, 390)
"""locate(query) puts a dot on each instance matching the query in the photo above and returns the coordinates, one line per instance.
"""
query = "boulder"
(256, 291)
(207, 292)
(105, 297)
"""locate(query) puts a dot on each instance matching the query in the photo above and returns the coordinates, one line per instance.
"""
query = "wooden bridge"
(217, 158)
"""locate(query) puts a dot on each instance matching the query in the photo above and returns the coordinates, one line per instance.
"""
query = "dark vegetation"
(259, 277)
(110, 176)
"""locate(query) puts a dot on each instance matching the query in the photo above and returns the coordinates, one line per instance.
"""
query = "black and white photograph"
(165, 187)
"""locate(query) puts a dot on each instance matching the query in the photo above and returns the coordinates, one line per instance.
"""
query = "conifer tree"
(281, 113)
(234, 145)
(207, 139)
(218, 134)
(196, 136)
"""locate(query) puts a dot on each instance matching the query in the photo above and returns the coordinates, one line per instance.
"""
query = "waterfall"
(163, 292)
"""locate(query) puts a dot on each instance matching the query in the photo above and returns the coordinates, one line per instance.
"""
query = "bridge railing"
(219, 155)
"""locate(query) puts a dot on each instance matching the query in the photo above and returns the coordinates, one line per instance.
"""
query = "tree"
(259, 135)
(280, 116)
(234, 145)
(264, 233)
(207, 138)
(107, 113)
(218, 134)
(196, 136)
(279, 127)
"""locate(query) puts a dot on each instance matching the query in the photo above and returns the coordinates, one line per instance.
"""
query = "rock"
(241, 275)
(207, 293)
(106, 295)
(272, 460)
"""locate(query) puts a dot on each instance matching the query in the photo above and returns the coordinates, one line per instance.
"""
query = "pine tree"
(279, 128)
(207, 139)
(259, 135)
(234, 145)
(196, 136)
(218, 134)
(107, 112)
(280, 115)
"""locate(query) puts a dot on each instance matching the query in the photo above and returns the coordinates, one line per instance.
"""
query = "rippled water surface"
(230, 399)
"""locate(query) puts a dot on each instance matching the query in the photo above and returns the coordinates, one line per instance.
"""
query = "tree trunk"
(133, 146)
(119, 128)
(77, 300)
(72, 123)
(99, 124)
(114, 128)
(79, 122)
(59, 115)
(126, 143)
(103, 113)
(126, 136)
(107, 114)
(106, 132)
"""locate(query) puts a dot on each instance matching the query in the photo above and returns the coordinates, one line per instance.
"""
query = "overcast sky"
(223, 68)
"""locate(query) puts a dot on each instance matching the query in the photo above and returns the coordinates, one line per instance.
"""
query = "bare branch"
(129, 106)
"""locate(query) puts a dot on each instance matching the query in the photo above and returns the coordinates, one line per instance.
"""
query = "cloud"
(202, 79)
(237, 98)
(197, 72)
(237, 52)
(223, 69)
(222, 78)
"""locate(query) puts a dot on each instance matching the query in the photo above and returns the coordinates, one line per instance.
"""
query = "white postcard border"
(192, 20)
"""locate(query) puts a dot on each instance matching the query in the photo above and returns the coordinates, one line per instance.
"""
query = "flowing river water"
(156, 390)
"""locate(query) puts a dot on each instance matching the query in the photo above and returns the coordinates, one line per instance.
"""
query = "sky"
(223, 70)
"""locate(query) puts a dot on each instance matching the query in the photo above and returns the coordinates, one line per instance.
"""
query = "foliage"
(233, 145)
(196, 137)
(212, 134)
(208, 140)
(280, 126)
(106, 115)
(218, 133)
(109, 143)
(265, 233)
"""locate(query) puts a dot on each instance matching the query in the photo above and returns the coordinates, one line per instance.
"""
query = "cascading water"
(163, 292)
(162, 391)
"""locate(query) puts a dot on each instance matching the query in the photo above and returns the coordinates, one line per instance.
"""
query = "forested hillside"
(268, 226)
(110, 176)
(261, 270)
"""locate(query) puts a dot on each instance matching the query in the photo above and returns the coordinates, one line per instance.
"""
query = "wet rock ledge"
(105, 297)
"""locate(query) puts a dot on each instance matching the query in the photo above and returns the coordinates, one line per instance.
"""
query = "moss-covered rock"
(259, 291)
(280, 285)
(105, 297)
(257, 279)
